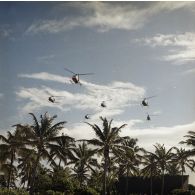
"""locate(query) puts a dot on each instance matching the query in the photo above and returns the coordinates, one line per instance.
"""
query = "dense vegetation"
(40, 159)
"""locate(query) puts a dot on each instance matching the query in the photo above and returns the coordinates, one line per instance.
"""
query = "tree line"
(39, 149)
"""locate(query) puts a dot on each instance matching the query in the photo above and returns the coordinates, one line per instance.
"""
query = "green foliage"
(2, 181)
(191, 187)
(62, 181)
(51, 192)
(12, 192)
(86, 191)
(180, 192)
(43, 182)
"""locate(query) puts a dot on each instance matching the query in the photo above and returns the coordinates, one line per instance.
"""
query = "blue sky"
(134, 49)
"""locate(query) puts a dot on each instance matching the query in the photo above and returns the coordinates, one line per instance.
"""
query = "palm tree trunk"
(106, 157)
(182, 179)
(34, 174)
(105, 177)
(126, 187)
(59, 163)
(162, 187)
(10, 171)
(151, 185)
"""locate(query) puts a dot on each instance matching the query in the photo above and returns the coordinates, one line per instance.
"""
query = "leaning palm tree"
(163, 158)
(9, 148)
(39, 136)
(107, 139)
(182, 159)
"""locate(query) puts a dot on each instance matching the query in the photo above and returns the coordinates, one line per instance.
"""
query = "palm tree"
(173, 168)
(39, 136)
(163, 158)
(107, 139)
(150, 168)
(190, 141)
(182, 160)
(95, 180)
(26, 163)
(129, 157)
(83, 162)
(62, 149)
(8, 150)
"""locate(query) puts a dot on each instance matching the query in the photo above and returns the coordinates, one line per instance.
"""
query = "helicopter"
(87, 116)
(145, 102)
(52, 99)
(148, 118)
(75, 77)
(103, 103)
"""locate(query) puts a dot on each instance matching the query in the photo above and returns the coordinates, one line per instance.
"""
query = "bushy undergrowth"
(5, 191)
(182, 192)
(86, 191)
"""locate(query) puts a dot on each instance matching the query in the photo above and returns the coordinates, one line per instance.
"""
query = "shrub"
(180, 192)
(86, 191)
(5, 191)
(51, 192)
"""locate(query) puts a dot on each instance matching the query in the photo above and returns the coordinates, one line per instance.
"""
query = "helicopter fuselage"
(51, 99)
(75, 78)
(144, 103)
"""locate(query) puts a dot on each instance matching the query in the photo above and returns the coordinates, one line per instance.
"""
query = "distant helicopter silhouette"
(52, 99)
(103, 103)
(148, 118)
(145, 102)
(75, 79)
(87, 116)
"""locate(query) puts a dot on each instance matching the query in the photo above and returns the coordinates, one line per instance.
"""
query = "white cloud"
(117, 95)
(170, 136)
(147, 137)
(190, 71)
(181, 47)
(84, 131)
(46, 77)
(105, 16)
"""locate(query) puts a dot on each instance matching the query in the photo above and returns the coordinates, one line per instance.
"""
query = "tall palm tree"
(39, 136)
(182, 159)
(83, 162)
(62, 149)
(163, 158)
(150, 168)
(9, 148)
(173, 168)
(107, 139)
(129, 157)
(25, 167)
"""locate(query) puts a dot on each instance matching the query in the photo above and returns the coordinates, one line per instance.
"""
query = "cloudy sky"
(134, 49)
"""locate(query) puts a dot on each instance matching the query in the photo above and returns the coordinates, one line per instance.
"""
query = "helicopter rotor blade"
(69, 70)
(86, 74)
(154, 115)
(151, 97)
(57, 96)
